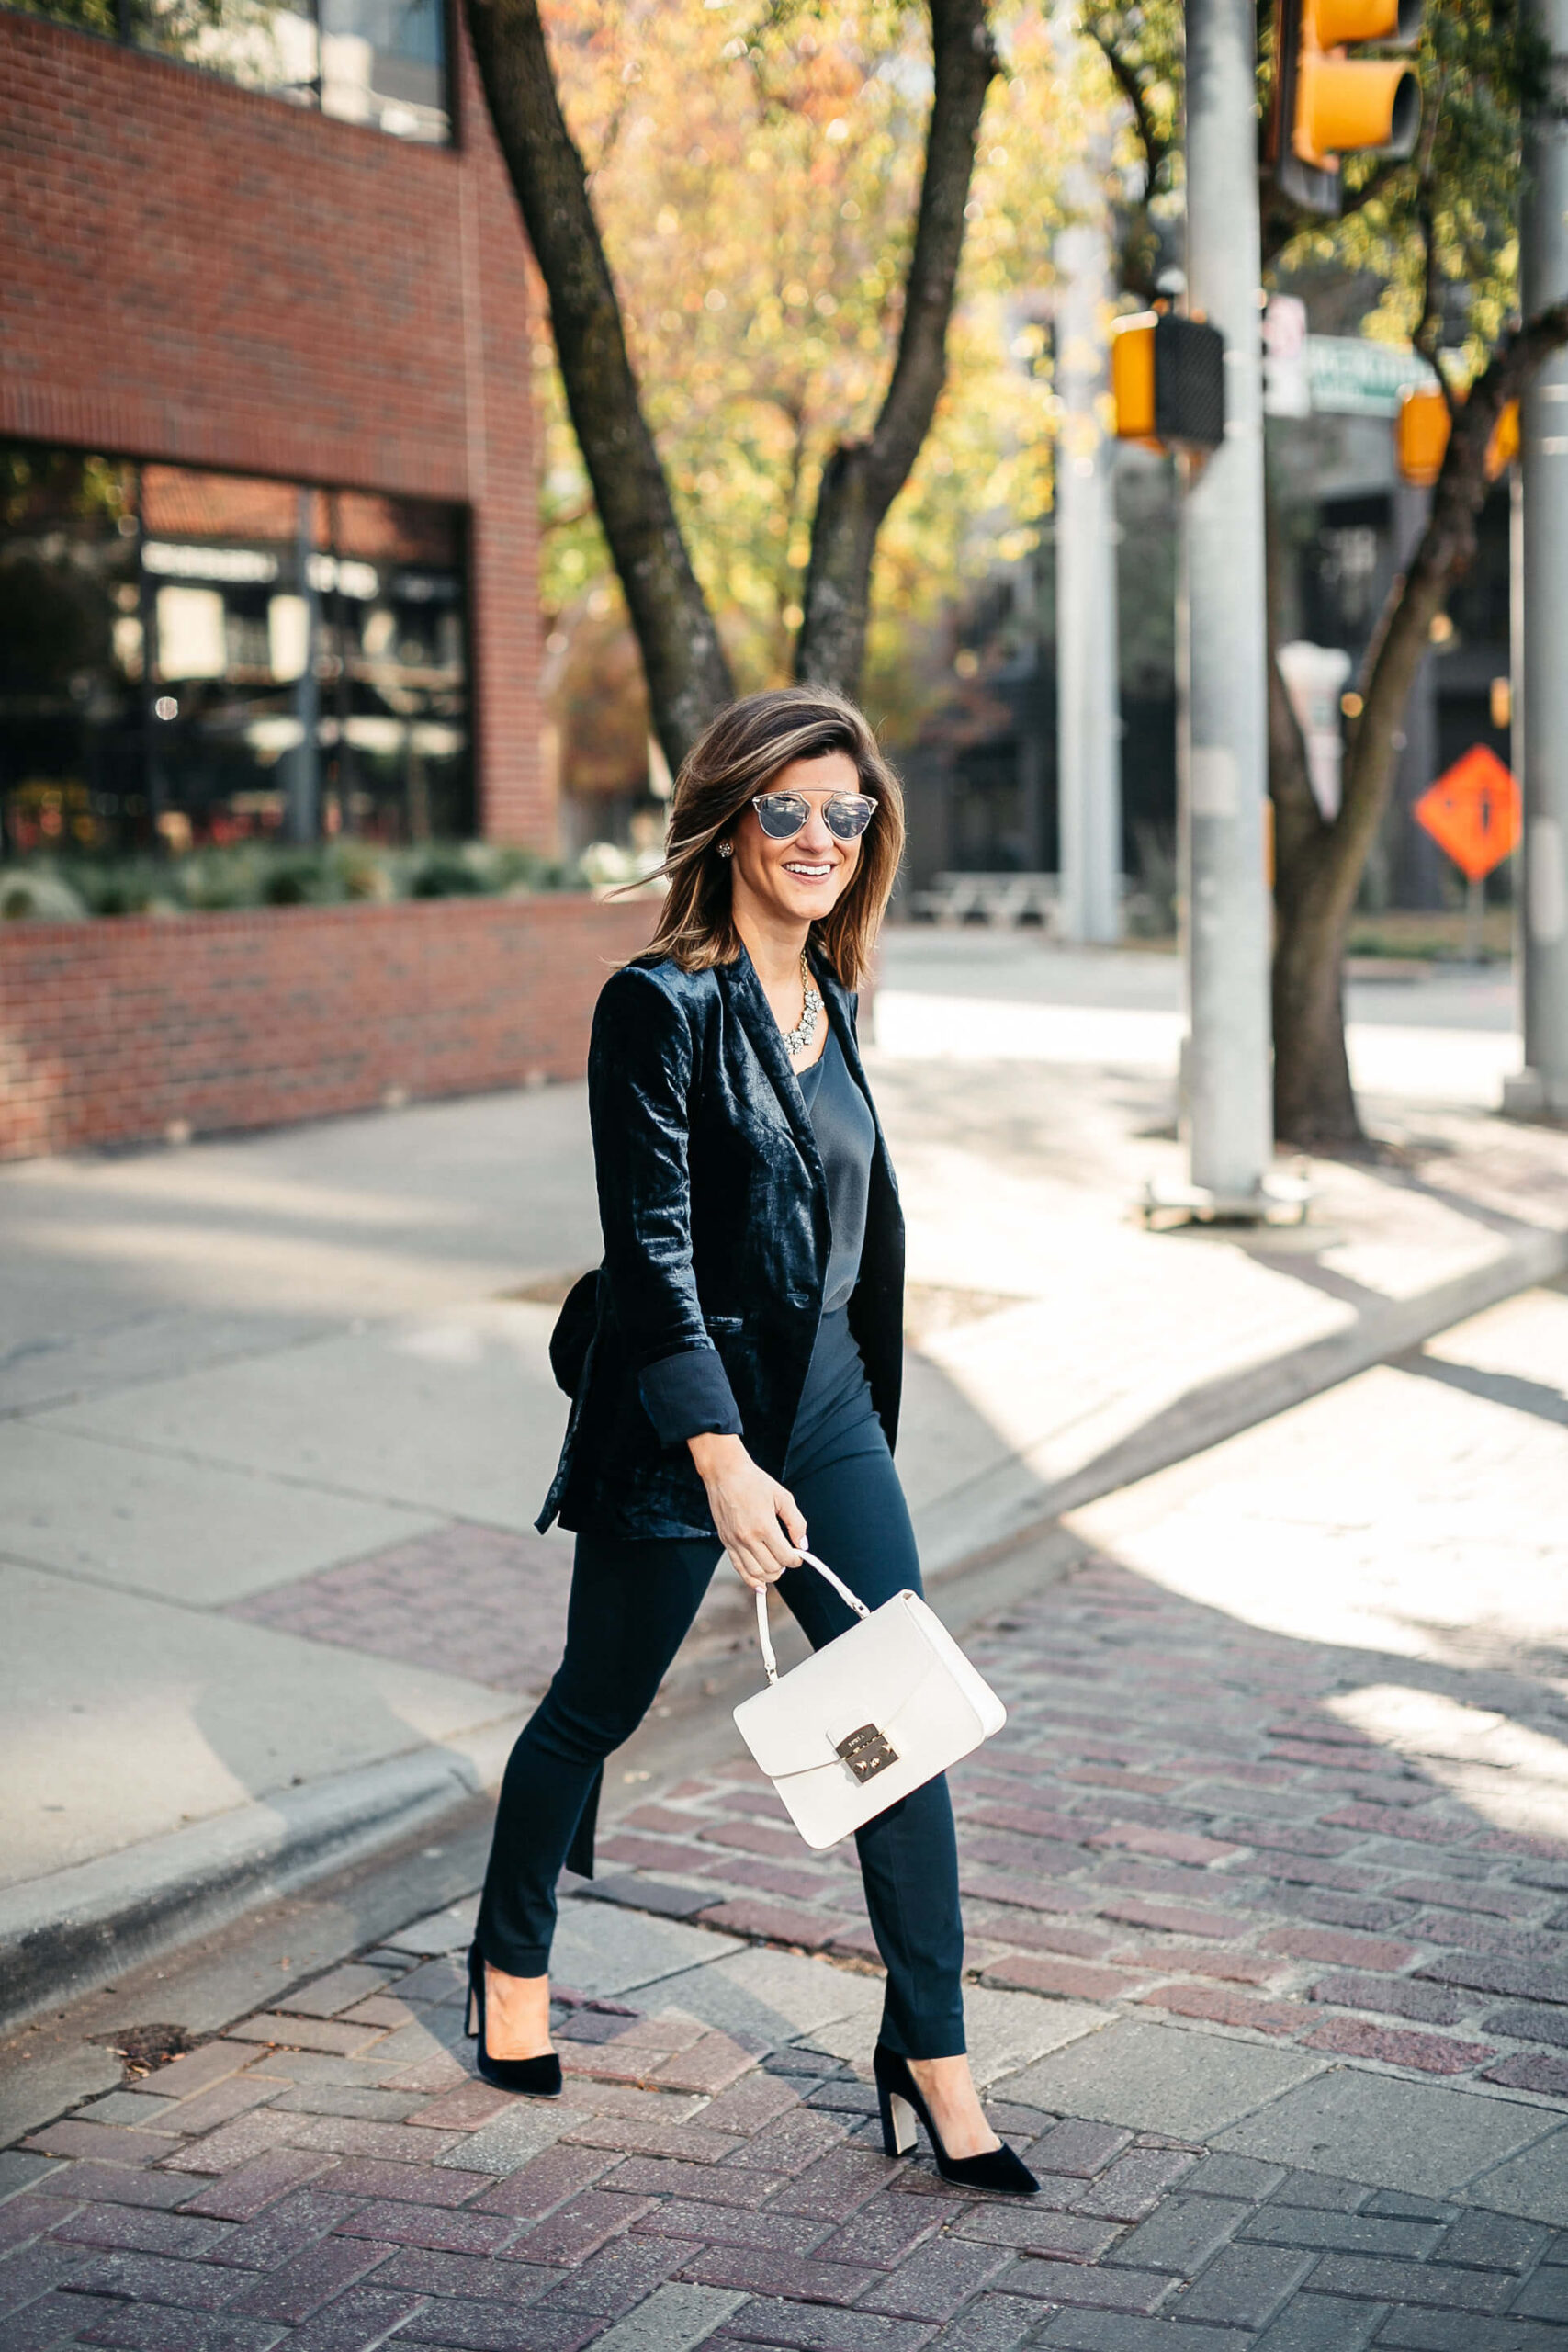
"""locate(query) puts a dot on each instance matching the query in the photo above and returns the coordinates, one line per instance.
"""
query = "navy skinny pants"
(631, 1607)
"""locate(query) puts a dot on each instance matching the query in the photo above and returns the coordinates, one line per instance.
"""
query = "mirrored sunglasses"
(782, 815)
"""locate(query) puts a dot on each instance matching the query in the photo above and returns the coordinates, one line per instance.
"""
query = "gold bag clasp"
(867, 1752)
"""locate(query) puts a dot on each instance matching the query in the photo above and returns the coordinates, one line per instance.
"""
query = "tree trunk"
(1311, 1077)
(862, 479)
(1314, 1105)
(1320, 874)
(688, 676)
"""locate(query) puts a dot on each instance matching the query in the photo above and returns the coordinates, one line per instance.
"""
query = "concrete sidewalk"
(280, 1416)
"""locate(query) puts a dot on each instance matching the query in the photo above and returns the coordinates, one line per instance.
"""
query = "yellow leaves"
(757, 199)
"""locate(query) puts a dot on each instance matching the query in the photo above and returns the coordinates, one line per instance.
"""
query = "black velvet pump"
(535, 2077)
(898, 2097)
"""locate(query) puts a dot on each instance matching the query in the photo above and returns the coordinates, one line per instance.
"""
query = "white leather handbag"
(868, 1718)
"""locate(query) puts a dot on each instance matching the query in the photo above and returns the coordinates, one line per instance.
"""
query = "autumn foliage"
(755, 174)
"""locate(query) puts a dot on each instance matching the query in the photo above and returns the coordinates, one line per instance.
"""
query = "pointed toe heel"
(898, 2097)
(530, 2078)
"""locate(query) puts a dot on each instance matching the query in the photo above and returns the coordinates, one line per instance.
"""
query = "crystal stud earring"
(726, 849)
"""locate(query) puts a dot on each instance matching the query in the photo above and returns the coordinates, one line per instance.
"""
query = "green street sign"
(1350, 376)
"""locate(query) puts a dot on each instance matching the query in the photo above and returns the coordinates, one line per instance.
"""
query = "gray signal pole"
(1225, 743)
(1541, 720)
(1089, 727)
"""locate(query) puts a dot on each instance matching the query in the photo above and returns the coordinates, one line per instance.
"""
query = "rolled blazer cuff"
(688, 1395)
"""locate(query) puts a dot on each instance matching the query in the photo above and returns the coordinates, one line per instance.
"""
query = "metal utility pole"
(1541, 713)
(1224, 716)
(1089, 723)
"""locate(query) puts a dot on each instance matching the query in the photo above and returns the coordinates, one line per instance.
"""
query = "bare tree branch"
(862, 479)
(1429, 332)
(1314, 1102)
(1154, 145)
(1297, 821)
(688, 677)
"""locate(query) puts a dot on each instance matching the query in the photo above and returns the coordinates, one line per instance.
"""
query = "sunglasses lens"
(781, 814)
(848, 818)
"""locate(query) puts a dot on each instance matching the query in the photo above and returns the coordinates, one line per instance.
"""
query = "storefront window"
(378, 62)
(189, 658)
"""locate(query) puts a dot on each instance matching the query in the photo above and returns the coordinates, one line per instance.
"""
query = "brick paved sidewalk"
(331, 2178)
(1175, 1819)
(1173, 1824)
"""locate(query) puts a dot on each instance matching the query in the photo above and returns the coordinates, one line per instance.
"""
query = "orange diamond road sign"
(1473, 812)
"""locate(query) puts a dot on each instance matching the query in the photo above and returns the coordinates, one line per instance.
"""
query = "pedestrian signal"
(1168, 381)
(1328, 103)
(1421, 436)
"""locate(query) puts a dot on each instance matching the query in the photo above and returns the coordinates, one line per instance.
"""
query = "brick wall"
(212, 275)
(110, 1032)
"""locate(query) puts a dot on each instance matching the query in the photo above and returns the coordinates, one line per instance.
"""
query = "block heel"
(898, 2098)
(897, 2124)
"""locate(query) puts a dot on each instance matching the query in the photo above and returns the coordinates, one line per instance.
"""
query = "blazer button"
(800, 1298)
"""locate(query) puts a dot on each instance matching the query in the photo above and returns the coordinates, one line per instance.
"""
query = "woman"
(741, 1381)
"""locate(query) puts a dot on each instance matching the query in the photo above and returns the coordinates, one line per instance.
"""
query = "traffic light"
(1421, 434)
(1421, 437)
(1328, 104)
(1167, 380)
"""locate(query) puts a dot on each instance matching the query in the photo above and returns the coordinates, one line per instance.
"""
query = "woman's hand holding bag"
(746, 1507)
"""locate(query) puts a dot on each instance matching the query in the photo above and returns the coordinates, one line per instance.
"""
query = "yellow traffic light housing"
(1421, 437)
(1421, 434)
(1503, 446)
(1168, 381)
(1132, 377)
(1328, 104)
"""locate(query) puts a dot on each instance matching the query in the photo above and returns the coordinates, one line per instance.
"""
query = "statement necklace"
(797, 1039)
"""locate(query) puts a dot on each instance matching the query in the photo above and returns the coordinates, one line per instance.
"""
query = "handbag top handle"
(769, 1660)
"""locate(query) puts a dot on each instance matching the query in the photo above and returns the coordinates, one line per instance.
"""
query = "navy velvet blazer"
(713, 1208)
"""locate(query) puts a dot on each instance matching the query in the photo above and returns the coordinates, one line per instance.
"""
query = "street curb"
(66, 1935)
(1009, 1505)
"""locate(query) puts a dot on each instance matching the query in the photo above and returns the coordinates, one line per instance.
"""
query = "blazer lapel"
(756, 1015)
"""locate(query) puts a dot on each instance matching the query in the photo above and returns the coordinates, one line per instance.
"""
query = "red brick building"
(267, 545)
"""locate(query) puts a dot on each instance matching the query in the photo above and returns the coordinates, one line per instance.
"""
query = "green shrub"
(262, 874)
(447, 875)
(39, 896)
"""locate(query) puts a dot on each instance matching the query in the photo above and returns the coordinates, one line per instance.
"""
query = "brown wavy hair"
(736, 757)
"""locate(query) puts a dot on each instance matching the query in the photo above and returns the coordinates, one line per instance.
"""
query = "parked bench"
(1010, 899)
